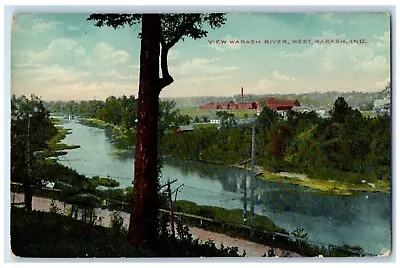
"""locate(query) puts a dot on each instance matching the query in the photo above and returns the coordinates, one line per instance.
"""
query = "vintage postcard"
(201, 135)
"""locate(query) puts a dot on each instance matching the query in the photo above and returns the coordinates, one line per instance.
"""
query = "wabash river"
(363, 219)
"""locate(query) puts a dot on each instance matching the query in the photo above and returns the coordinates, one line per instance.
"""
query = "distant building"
(247, 106)
(301, 109)
(382, 105)
(210, 106)
(322, 113)
(215, 121)
(278, 104)
(272, 103)
(186, 128)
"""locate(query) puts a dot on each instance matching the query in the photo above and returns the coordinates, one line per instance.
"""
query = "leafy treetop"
(174, 27)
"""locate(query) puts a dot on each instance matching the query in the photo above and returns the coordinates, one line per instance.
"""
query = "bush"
(116, 221)
(40, 234)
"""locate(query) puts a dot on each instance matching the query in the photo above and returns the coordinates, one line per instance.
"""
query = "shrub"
(116, 221)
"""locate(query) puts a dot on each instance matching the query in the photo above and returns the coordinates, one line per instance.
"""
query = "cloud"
(65, 61)
(342, 57)
(27, 25)
(273, 83)
(40, 26)
(115, 74)
(263, 86)
(382, 41)
(201, 79)
(373, 63)
(173, 55)
(107, 54)
(67, 52)
(48, 73)
(383, 83)
(58, 74)
(203, 66)
(59, 51)
(86, 90)
(331, 18)
(278, 76)
(74, 28)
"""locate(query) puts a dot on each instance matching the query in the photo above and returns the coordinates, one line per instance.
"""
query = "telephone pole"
(245, 196)
(171, 215)
(252, 179)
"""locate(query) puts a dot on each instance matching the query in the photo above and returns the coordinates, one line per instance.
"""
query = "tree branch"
(166, 77)
(183, 29)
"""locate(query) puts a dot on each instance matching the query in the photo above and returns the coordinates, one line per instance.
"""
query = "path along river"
(363, 219)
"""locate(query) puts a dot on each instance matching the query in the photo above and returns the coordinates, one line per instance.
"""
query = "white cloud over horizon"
(58, 57)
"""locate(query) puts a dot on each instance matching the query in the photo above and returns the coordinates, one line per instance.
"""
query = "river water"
(363, 219)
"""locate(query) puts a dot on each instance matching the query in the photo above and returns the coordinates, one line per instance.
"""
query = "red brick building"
(272, 103)
(277, 104)
(247, 106)
(210, 106)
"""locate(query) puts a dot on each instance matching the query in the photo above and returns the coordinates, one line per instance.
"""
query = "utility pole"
(168, 184)
(171, 209)
(245, 196)
(252, 179)
(246, 173)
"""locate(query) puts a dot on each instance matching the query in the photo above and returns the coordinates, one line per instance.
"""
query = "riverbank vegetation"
(344, 153)
(86, 194)
(40, 234)
(35, 141)
(341, 154)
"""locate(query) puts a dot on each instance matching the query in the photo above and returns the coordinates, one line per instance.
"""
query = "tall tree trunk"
(143, 220)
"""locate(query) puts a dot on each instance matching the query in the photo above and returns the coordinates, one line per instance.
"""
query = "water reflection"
(363, 219)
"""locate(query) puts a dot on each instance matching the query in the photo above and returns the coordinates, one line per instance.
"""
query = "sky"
(65, 57)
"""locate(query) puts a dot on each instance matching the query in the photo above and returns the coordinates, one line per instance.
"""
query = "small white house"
(215, 121)
(382, 105)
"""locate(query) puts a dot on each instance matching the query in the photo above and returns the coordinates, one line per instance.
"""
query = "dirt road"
(252, 249)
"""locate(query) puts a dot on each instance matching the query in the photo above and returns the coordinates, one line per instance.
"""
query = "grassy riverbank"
(328, 186)
(327, 181)
(93, 122)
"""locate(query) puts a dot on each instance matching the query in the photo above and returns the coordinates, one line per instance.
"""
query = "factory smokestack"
(242, 94)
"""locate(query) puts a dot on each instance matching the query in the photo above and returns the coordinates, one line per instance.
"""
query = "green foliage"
(106, 182)
(299, 232)
(175, 26)
(340, 110)
(45, 235)
(116, 221)
(346, 148)
(40, 234)
(69, 212)
(268, 117)
(34, 141)
(346, 251)
(54, 208)
(222, 215)
(227, 119)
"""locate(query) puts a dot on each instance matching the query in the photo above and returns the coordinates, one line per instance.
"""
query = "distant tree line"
(121, 112)
(362, 100)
